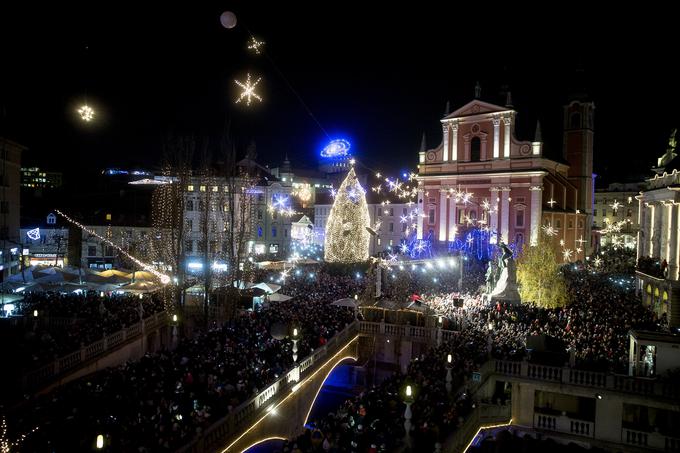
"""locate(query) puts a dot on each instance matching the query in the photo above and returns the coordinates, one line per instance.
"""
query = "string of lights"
(165, 279)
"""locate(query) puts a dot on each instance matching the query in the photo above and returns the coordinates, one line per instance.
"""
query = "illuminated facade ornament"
(336, 148)
(33, 234)
(248, 92)
(86, 113)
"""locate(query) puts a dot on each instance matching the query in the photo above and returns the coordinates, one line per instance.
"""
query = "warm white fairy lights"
(86, 113)
(549, 230)
(165, 279)
(248, 92)
(255, 45)
(347, 238)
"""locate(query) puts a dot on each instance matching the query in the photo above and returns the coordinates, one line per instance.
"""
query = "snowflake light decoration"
(248, 92)
(255, 45)
(86, 113)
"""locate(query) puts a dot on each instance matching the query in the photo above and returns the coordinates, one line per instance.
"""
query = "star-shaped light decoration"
(86, 113)
(255, 45)
(562, 242)
(549, 230)
(248, 92)
(597, 261)
(615, 206)
(551, 202)
(566, 254)
(580, 240)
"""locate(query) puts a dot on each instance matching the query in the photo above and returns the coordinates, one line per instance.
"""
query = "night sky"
(380, 77)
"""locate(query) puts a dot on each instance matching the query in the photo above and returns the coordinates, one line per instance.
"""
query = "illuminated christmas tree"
(347, 236)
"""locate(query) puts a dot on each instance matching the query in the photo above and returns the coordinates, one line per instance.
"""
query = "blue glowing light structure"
(33, 234)
(337, 148)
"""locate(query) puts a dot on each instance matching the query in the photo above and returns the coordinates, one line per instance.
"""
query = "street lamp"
(408, 400)
(295, 340)
(449, 378)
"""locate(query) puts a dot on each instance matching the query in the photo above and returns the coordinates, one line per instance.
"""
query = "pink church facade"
(482, 176)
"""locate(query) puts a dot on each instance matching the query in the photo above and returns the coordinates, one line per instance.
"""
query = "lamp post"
(408, 400)
(449, 378)
(295, 340)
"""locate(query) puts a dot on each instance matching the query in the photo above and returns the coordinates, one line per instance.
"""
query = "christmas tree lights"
(347, 237)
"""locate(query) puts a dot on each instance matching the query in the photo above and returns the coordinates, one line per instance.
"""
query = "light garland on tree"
(165, 279)
(347, 237)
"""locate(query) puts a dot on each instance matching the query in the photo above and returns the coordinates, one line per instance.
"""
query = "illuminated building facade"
(35, 178)
(482, 175)
(617, 205)
(10, 163)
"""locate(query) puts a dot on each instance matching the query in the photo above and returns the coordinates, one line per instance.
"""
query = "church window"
(475, 149)
(519, 218)
(558, 223)
(575, 121)
(431, 216)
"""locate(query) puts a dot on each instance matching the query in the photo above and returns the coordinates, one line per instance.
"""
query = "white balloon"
(228, 19)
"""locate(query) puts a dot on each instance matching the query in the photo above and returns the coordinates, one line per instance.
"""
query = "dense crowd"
(65, 322)
(167, 398)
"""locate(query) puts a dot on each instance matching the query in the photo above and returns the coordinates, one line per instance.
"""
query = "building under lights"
(617, 204)
(10, 161)
(658, 250)
(482, 174)
(35, 178)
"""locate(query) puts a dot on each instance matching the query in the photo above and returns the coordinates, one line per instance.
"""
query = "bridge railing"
(586, 378)
(405, 331)
(227, 426)
(49, 372)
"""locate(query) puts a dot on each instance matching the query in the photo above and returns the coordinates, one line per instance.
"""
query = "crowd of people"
(64, 323)
(167, 398)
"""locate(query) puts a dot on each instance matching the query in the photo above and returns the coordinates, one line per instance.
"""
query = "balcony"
(654, 440)
(564, 424)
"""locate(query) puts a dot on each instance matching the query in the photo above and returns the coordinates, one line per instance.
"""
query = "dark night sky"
(380, 77)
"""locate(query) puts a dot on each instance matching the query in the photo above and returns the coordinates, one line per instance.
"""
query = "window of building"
(202, 188)
(190, 188)
(190, 225)
(259, 214)
(594, 212)
(273, 248)
(391, 212)
(108, 250)
(379, 212)
(519, 218)
(378, 241)
(403, 228)
(189, 246)
(260, 197)
(51, 219)
(259, 231)
(519, 239)
(575, 120)
(273, 231)
(431, 215)
(404, 211)
(391, 227)
(580, 224)
(285, 232)
(475, 149)
(558, 223)
(571, 224)
(190, 205)
(629, 213)
(390, 242)
(215, 188)
(92, 250)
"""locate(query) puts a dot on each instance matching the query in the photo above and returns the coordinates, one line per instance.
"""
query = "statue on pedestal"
(505, 289)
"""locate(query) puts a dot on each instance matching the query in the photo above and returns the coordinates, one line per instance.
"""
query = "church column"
(651, 235)
(493, 221)
(673, 242)
(442, 214)
(535, 213)
(506, 137)
(454, 142)
(496, 137)
(421, 213)
(505, 214)
(658, 230)
(445, 153)
(452, 219)
(643, 232)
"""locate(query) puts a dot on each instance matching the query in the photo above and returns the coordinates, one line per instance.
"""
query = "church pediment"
(477, 107)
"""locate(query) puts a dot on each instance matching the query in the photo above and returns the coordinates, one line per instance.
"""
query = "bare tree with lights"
(168, 210)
